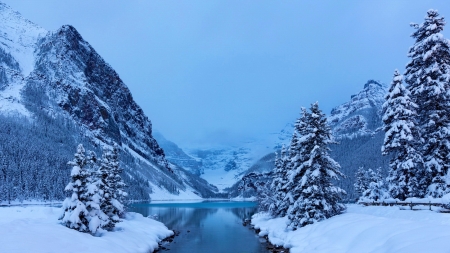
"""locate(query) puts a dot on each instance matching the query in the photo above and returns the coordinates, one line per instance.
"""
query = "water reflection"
(207, 226)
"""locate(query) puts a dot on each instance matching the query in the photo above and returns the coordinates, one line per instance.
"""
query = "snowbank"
(37, 229)
(363, 229)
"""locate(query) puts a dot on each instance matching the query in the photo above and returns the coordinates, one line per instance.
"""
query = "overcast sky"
(222, 71)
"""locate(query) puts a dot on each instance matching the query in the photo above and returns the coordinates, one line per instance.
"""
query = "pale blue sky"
(222, 71)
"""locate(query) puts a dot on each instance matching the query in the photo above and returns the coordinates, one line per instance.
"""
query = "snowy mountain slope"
(59, 76)
(177, 156)
(221, 166)
(18, 38)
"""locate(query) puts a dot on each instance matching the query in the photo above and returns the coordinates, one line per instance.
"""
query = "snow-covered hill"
(58, 74)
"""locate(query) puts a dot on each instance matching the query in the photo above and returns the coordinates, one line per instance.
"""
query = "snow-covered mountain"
(221, 166)
(59, 74)
(361, 115)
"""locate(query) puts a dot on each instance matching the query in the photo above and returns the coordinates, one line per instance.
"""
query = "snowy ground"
(37, 229)
(364, 229)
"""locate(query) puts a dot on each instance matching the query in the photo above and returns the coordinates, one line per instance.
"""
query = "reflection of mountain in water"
(175, 217)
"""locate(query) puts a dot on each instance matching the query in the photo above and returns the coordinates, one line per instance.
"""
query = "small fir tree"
(362, 180)
(376, 190)
(402, 141)
(312, 170)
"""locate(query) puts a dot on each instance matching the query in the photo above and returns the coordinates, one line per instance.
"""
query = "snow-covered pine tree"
(362, 180)
(279, 206)
(82, 209)
(111, 186)
(375, 190)
(312, 170)
(97, 218)
(292, 162)
(402, 141)
(75, 215)
(427, 76)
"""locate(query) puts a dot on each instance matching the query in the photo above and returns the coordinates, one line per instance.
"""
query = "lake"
(206, 226)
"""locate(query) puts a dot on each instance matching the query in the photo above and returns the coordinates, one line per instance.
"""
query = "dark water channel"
(212, 227)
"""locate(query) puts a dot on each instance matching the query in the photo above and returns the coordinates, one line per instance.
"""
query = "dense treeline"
(34, 158)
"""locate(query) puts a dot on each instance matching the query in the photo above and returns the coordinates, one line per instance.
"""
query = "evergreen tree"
(75, 214)
(375, 189)
(311, 172)
(427, 75)
(279, 206)
(401, 142)
(82, 210)
(111, 186)
(362, 180)
(97, 218)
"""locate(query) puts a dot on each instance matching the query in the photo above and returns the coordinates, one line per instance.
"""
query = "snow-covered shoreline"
(363, 229)
(37, 229)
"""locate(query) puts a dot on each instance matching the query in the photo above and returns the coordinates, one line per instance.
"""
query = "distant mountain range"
(356, 125)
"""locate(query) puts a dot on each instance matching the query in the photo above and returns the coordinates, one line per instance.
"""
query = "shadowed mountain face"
(57, 76)
(92, 93)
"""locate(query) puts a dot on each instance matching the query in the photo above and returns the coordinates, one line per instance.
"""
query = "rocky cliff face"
(177, 156)
(82, 84)
(59, 75)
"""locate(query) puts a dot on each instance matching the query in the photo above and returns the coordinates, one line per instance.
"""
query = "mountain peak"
(371, 84)
(18, 38)
(362, 114)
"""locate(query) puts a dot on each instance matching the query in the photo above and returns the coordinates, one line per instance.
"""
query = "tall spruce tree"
(76, 215)
(427, 76)
(311, 172)
(402, 141)
(111, 186)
